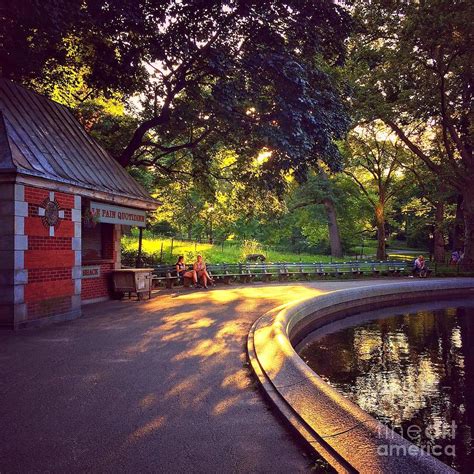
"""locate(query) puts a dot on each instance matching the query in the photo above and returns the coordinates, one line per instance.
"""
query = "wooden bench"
(228, 272)
(376, 268)
(283, 272)
(261, 270)
(339, 270)
(165, 274)
(318, 270)
(169, 280)
(396, 268)
(342, 269)
(356, 269)
(287, 270)
(224, 272)
(247, 272)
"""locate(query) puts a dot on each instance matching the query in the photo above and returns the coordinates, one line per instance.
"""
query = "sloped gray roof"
(42, 138)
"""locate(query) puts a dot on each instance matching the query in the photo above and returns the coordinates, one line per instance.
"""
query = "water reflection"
(413, 371)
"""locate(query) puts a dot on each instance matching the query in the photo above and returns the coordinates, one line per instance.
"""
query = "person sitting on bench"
(201, 271)
(419, 267)
(183, 273)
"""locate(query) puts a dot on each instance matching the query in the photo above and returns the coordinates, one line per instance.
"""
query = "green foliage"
(250, 247)
(403, 50)
(52, 44)
(229, 252)
(107, 122)
(227, 112)
(262, 70)
(308, 214)
(411, 66)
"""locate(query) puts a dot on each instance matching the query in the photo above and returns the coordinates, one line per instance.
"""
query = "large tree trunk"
(438, 234)
(380, 222)
(468, 211)
(333, 227)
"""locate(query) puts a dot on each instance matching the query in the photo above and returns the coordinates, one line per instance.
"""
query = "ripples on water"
(414, 372)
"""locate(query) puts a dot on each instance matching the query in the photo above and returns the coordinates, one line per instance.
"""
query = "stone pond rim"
(333, 426)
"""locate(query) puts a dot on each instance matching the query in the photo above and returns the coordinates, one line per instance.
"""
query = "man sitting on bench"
(183, 273)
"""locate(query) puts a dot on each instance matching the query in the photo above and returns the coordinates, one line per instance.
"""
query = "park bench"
(266, 271)
(224, 272)
(248, 272)
(165, 274)
(346, 268)
(260, 270)
(283, 273)
(396, 268)
(356, 269)
(318, 270)
(325, 269)
(341, 269)
(376, 267)
(286, 270)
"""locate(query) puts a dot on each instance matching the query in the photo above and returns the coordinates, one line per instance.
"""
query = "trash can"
(132, 280)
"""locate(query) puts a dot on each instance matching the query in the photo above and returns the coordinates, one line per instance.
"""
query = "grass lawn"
(230, 252)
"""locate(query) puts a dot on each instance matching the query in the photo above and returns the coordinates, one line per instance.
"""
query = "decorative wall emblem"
(51, 214)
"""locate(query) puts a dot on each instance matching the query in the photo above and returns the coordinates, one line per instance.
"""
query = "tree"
(48, 44)
(374, 159)
(412, 69)
(328, 208)
(318, 191)
(437, 195)
(244, 74)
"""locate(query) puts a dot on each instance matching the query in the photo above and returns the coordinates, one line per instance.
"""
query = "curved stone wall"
(346, 436)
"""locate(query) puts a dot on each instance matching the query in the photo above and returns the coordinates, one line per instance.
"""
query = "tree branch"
(188, 145)
(306, 203)
(413, 148)
(361, 186)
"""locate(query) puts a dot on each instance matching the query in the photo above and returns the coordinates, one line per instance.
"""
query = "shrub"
(129, 258)
(249, 247)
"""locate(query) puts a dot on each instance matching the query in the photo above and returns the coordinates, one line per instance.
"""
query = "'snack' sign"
(91, 271)
(110, 214)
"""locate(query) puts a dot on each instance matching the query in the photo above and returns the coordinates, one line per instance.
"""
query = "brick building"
(63, 202)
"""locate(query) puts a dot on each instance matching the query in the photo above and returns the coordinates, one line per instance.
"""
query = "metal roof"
(42, 138)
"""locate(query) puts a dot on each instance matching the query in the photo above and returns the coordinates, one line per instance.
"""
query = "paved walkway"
(152, 386)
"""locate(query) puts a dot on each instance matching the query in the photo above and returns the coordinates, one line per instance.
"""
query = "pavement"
(148, 386)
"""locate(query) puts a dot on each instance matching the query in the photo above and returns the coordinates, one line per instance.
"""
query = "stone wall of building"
(41, 267)
(13, 242)
(52, 255)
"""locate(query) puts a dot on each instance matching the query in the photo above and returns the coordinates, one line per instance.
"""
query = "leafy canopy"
(412, 68)
(244, 74)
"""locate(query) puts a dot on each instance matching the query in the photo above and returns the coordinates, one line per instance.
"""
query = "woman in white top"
(201, 271)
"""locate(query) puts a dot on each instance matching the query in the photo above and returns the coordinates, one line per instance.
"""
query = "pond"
(410, 367)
